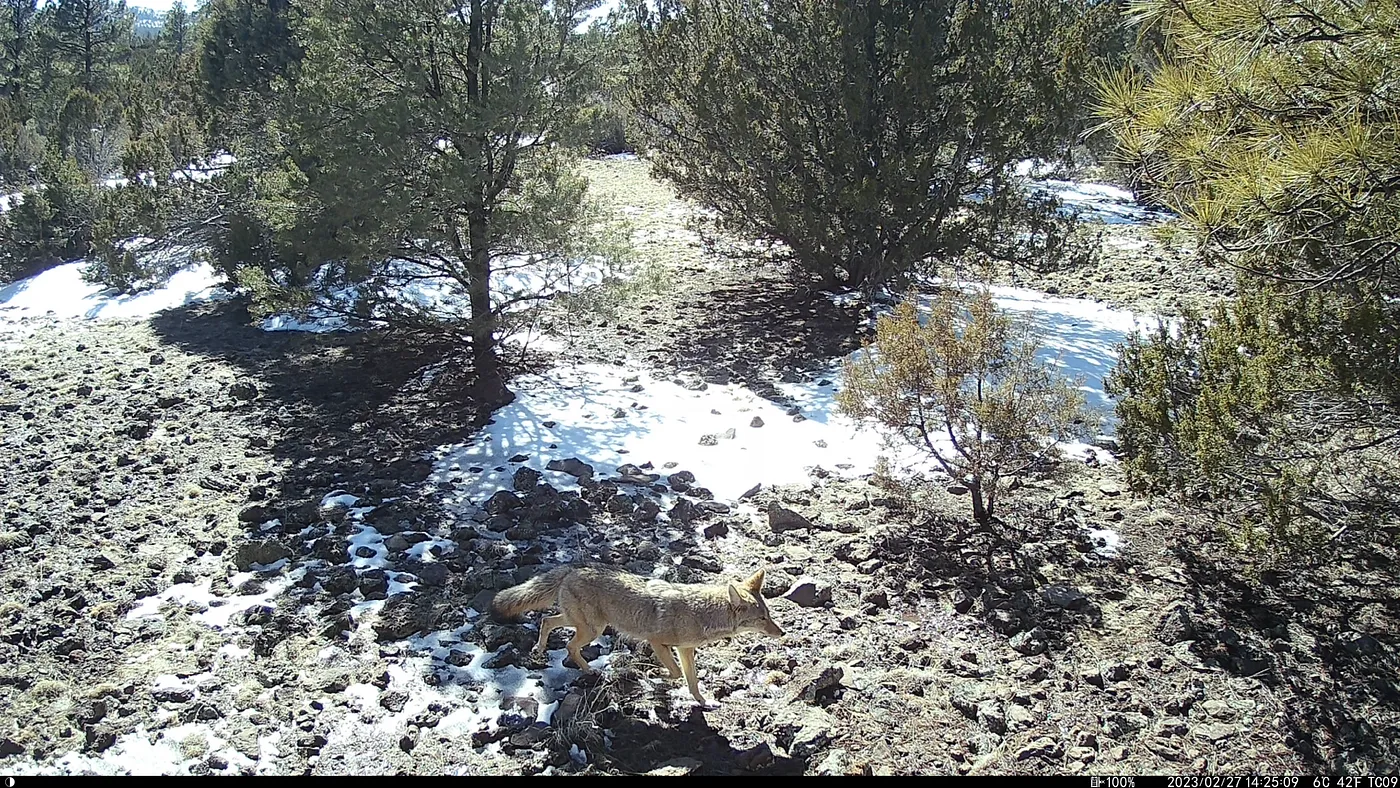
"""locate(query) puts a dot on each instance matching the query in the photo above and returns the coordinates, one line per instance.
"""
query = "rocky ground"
(225, 551)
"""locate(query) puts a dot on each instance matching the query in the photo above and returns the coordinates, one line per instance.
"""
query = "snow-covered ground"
(199, 171)
(410, 286)
(1093, 201)
(610, 416)
(60, 293)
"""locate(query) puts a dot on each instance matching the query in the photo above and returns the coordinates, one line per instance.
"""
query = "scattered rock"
(1044, 747)
(572, 466)
(808, 592)
(525, 479)
(502, 501)
(621, 504)
(676, 767)
(1029, 643)
(803, 730)
(757, 757)
(966, 697)
(877, 597)
(704, 563)
(829, 679)
(393, 701)
(1175, 625)
(647, 510)
(90, 712)
(716, 529)
(179, 693)
(243, 390)
(1067, 597)
(1362, 645)
(1019, 718)
(685, 511)
(432, 575)
(100, 737)
(404, 615)
(709, 440)
(255, 514)
(991, 716)
(781, 518)
(1120, 723)
(834, 764)
(1213, 732)
(756, 422)
(261, 551)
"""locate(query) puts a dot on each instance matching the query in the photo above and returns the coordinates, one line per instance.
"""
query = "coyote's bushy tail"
(537, 593)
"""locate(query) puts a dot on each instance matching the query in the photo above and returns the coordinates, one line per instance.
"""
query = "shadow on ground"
(1326, 635)
(759, 329)
(350, 411)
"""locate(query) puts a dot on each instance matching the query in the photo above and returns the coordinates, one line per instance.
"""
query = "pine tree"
(18, 21)
(175, 32)
(87, 31)
(1273, 128)
(436, 132)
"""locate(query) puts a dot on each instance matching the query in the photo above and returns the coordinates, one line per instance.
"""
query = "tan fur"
(666, 615)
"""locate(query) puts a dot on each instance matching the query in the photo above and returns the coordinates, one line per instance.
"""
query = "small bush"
(51, 223)
(976, 399)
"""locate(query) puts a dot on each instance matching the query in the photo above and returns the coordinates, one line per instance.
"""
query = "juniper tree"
(1273, 128)
(861, 138)
(436, 132)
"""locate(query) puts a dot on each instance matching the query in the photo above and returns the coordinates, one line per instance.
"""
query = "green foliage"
(1272, 128)
(21, 150)
(975, 398)
(865, 138)
(247, 46)
(610, 46)
(92, 131)
(85, 102)
(52, 222)
(86, 32)
(420, 139)
(17, 28)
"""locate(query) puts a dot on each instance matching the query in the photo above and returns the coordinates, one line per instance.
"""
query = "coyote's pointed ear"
(735, 598)
(755, 583)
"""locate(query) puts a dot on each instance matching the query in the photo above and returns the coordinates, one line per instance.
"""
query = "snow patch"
(60, 293)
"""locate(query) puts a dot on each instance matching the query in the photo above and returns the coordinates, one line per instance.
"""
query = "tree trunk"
(980, 511)
(490, 387)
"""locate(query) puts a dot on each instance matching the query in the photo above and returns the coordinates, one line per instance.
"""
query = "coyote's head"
(747, 600)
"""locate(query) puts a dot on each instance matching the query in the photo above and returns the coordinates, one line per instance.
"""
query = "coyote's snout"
(664, 614)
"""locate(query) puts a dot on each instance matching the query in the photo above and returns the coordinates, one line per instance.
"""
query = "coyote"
(663, 614)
